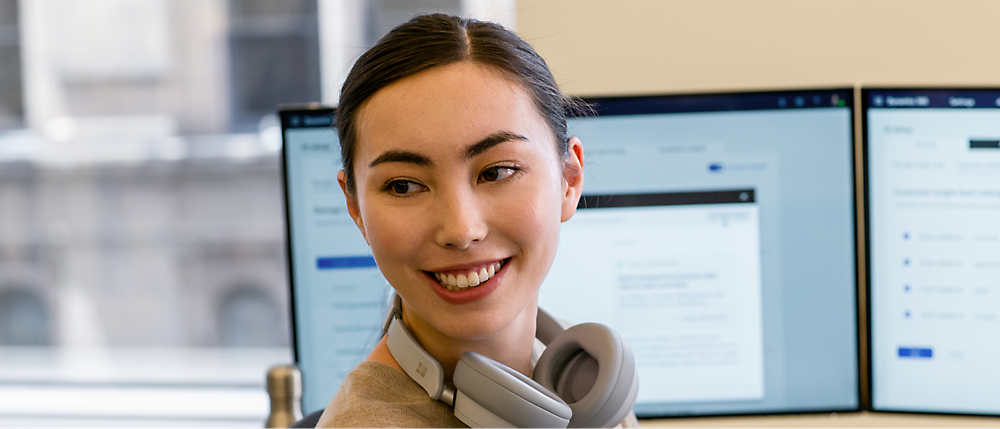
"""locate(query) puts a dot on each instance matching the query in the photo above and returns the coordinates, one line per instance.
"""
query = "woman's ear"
(573, 178)
(352, 203)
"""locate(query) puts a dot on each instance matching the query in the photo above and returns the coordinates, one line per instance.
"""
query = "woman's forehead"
(459, 103)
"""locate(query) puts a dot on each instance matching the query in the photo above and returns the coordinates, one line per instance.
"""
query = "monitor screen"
(933, 187)
(716, 233)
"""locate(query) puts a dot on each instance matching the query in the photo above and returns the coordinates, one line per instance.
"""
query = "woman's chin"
(466, 333)
(482, 325)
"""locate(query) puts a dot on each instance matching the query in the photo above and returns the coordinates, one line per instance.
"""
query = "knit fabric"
(377, 395)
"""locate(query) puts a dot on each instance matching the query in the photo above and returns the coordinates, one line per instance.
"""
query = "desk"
(845, 420)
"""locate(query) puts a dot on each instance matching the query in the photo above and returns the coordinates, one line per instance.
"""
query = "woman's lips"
(468, 278)
(461, 295)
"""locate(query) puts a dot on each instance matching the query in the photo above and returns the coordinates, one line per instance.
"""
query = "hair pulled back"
(436, 40)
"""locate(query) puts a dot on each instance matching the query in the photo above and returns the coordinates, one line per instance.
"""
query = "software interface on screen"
(934, 209)
(339, 295)
(716, 233)
(718, 239)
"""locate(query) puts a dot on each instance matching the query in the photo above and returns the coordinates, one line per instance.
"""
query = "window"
(24, 318)
(10, 67)
(274, 57)
(142, 239)
(250, 318)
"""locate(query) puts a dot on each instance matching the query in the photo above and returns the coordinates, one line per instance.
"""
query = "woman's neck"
(511, 346)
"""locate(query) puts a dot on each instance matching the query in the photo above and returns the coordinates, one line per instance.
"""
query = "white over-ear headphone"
(589, 367)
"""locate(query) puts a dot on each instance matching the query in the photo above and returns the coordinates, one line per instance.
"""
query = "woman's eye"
(403, 187)
(497, 173)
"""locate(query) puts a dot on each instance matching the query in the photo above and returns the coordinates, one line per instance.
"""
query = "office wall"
(631, 47)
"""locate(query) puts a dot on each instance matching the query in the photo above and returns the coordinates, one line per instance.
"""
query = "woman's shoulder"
(377, 395)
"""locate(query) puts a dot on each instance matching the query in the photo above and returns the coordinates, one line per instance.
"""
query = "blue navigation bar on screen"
(722, 102)
(339, 262)
(932, 99)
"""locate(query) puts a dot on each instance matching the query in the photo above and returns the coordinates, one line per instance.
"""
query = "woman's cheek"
(389, 236)
(536, 223)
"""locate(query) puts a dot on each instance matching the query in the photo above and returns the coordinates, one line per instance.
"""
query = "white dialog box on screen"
(678, 275)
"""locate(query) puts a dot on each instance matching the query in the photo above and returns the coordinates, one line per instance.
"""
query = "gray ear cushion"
(509, 394)
(592, 368)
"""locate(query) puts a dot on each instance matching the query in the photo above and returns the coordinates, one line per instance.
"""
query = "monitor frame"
(702, 102)
(284, 114)
(864, 102)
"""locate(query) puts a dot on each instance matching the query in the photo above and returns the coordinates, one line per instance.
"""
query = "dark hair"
(437, 40)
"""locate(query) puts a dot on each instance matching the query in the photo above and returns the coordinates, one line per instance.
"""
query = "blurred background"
(142, 245)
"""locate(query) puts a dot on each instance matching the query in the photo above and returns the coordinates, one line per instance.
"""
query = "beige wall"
(631, 47)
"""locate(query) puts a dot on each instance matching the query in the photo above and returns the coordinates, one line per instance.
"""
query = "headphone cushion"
(508, 394)
(591, 368)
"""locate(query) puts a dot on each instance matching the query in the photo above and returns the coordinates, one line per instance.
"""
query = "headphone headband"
(395, 312)
(415, 361)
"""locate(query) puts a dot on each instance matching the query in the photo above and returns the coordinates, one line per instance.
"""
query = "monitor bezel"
(593, 106)
(284, 113)
(865, 104)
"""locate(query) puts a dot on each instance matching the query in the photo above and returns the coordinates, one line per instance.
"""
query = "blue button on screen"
(916, 352)
(334, 263)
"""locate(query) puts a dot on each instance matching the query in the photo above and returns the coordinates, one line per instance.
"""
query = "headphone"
(585, 378)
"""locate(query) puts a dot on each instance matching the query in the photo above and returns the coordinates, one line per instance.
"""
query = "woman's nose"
(460, 220)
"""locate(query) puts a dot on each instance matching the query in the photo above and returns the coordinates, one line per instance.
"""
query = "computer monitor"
(933, 190)
(716, 232)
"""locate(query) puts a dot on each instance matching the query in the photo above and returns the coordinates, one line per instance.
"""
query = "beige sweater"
(377, 395)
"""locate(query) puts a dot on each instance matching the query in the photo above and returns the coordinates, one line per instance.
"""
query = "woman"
(458, 172)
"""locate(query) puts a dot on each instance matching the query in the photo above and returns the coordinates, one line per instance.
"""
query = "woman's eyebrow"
(490, 141)
(423, 161)
(402, 156)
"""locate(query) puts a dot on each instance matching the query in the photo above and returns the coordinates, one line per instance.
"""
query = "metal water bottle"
(284, 386)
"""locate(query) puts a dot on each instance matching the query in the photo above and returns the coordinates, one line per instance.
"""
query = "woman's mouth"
(470, 278)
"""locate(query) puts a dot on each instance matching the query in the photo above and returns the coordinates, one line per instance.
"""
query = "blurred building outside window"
(143, 278)
(11, 104)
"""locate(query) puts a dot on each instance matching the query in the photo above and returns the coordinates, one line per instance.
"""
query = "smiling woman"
(459, 214)
(458, 172)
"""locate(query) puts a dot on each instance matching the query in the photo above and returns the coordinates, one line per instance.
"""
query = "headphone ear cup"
(491, 394)
(591, 368)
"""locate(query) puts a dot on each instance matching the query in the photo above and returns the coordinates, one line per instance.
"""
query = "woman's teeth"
(470, 279)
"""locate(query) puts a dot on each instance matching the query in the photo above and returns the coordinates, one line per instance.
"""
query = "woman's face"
(460, 193)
